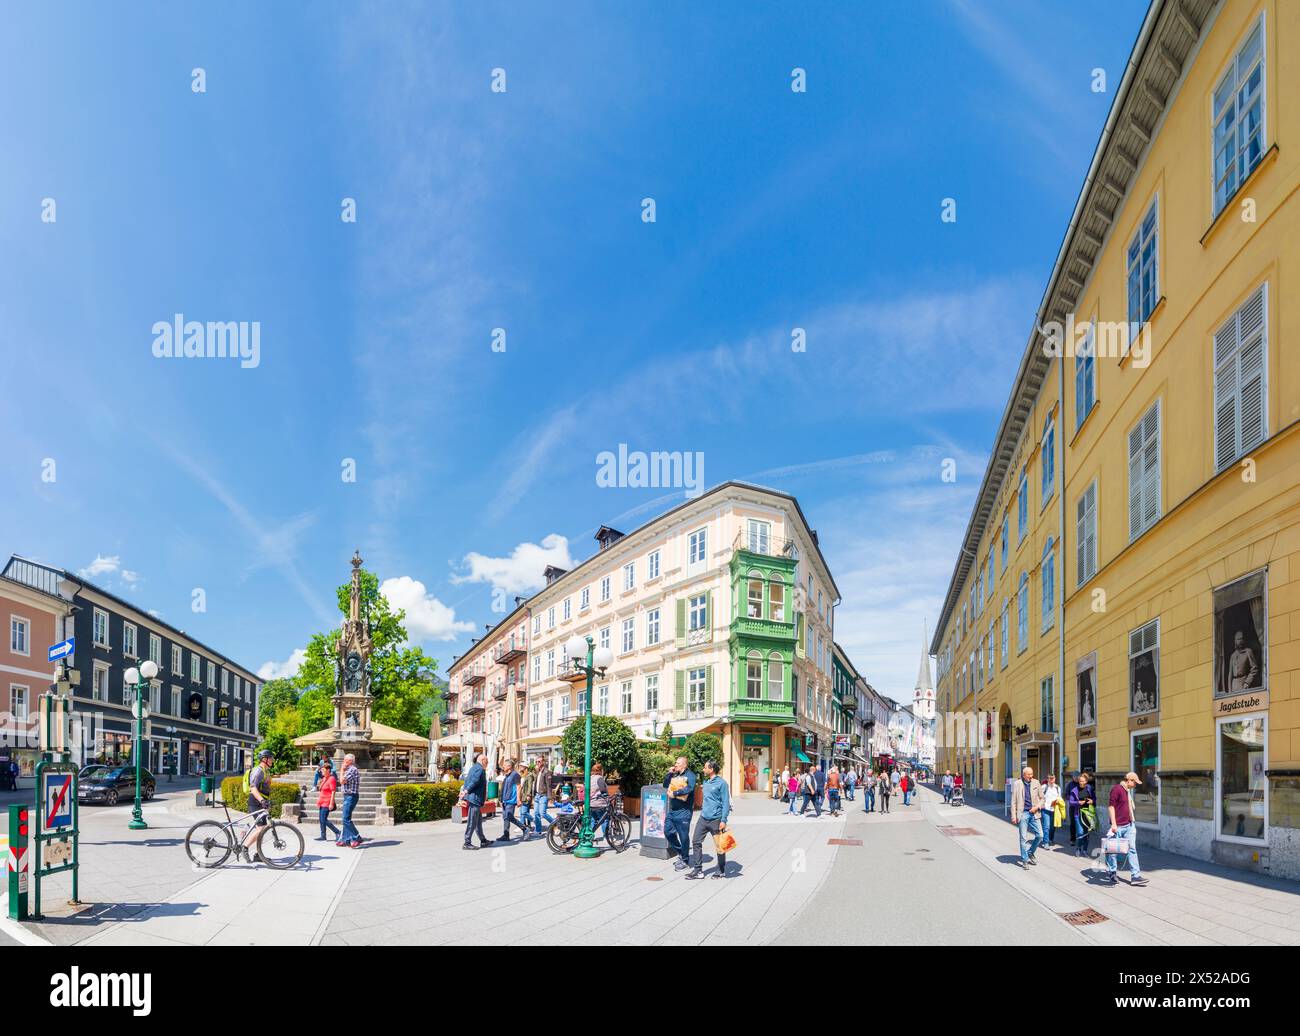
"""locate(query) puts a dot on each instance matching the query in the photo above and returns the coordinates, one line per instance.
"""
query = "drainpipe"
(1060, 596)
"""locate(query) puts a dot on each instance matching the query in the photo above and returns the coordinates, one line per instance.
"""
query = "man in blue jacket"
(474, 793)
(681, 804)
(714, 812)
(510, 801)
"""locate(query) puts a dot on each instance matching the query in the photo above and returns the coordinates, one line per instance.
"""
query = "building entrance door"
(757, 768)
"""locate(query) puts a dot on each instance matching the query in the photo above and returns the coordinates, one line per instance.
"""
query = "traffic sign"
(57, 796)
(62, 649)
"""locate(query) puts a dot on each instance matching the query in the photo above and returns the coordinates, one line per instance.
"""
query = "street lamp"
(654, 723)
(140, 677)
(588, 659)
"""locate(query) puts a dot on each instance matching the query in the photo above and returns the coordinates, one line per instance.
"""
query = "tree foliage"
(613, 744)
(702, 748)
(400, 673)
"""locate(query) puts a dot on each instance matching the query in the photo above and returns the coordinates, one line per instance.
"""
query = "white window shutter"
(1151, 467)
(1226, 354)
(1251, 368)
(1135, 481)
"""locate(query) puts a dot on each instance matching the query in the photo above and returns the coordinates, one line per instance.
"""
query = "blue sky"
(519, 210)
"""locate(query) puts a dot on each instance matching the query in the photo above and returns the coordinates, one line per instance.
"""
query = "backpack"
(246, 786)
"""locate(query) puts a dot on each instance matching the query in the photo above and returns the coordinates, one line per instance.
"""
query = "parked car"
(108, 785)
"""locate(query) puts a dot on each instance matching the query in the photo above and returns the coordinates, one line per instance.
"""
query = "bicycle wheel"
(280, 845)
(620, 829)
(563, 835)
(208, 844)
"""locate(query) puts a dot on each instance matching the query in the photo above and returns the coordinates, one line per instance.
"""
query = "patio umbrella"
(510, 728)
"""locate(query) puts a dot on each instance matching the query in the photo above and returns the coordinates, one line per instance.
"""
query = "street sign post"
(62, 649)
(18, 862)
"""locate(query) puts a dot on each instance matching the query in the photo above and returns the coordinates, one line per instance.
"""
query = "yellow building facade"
(1127, 595)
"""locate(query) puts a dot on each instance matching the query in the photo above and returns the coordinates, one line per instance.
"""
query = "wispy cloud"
(521, 570)
(282, 670)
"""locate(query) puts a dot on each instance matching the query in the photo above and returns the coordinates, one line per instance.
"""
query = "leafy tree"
(702, 748)
(315, 711)
(613, 744)
(286, 756)
(399, 673)
(666, 738)
(287, 721)
(275, 694)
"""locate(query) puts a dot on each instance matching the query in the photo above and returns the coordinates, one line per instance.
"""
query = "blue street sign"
(62, 649)
(57, 796)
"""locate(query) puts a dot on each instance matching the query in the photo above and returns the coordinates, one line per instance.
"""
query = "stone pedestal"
(383, 817)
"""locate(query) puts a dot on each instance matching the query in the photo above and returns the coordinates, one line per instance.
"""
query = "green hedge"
(413, 803)
(234, 796)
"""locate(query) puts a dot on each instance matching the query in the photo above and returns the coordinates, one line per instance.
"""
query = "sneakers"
(1033, 862)
(467, 845)
(680, 865)
(356, 844)
(695, 875)
(1138, 880)
(717, 874)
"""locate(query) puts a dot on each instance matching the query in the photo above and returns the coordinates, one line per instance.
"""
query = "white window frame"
(178, 659)
(625, 698)
(567, 611)
(20, 627)
(629, 576)
(698, 547)
(652, 692)
(1218, 780)
(652, 625)
(758, 536)
(697, 606)
(1138, 311)
(1232, 69)
(130, 640)
(629, 634)
(17, 691)
(652, 566)
(196, 668)
(696, 683)
(584, 599)
(99, 682)
(1022, 613)
(1128, 663)
(550, 617)
(537, 668)
(99, 616)
(155, 656)
(1240, 448)
(605, 588)
(212, 675)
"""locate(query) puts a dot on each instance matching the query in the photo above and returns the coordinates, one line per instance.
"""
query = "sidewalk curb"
(330, 910)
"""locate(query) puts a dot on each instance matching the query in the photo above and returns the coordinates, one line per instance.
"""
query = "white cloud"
(101, 566)
(129, 577)
(281, 670)
(522, 570)
(427, 618)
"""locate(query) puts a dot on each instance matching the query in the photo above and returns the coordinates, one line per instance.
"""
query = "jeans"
(816, 803)
(677, 831)
(794, 801)
(884, 802)
(869, 799)
(474, 824)
(703, 827)
(907, 796)
(508, 818)
(325, 822)
(350, 832)
(947, 793)
(539, 812)
(1048, 819)
(1130, 832)
(1029, 825)
(1081, 834)
(848, 792)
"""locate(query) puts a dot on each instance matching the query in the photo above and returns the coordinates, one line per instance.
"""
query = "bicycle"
(209, 843)
(564, 835)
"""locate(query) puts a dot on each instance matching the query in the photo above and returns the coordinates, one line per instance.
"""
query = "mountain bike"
(209, 843)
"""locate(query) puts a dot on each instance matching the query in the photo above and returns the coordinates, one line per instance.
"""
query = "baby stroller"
(958, 796)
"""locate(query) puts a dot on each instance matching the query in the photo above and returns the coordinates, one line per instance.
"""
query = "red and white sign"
(18, 862)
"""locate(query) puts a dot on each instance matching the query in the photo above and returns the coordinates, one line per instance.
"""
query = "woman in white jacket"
(1051, 793)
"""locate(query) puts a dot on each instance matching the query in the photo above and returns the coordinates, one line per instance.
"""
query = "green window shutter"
(708, 603)
(708, 686)
(680, 702)
(798, 633)
(681, 623)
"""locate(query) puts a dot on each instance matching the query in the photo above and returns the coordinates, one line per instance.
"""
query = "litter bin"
(205, 786)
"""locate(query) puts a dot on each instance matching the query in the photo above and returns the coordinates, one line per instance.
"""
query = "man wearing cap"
(1026, 814)
(1122, 826)
(259, 795)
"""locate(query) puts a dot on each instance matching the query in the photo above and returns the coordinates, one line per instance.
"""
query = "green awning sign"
(801, 757)
(758, 740)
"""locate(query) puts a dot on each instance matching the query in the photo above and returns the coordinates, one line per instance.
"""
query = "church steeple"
(923, 698)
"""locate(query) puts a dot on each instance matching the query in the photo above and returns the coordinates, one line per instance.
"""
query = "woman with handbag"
(326, 800)
(1082, 806)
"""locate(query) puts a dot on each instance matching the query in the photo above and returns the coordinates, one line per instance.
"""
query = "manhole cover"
(844, 841)
(953, 832)
(654, 877)
(1088, 916)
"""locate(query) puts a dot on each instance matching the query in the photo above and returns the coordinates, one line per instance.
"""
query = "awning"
(380, 734)
(541, 739)
(798, 754)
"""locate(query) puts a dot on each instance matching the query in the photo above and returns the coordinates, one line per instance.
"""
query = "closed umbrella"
(510, 729)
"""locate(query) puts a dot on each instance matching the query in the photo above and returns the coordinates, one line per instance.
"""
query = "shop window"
(1241, 637)
(1243, 786)
(1144, 668)
(1088, 757)
(1146, 764)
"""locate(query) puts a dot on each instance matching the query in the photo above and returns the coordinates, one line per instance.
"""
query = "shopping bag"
(1088, 814)
(1115, 846)
(724, 841)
